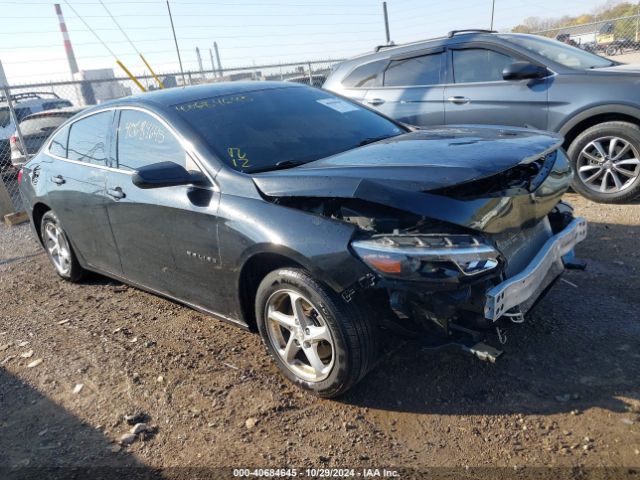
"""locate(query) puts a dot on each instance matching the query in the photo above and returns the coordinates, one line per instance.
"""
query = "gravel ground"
(75, 360)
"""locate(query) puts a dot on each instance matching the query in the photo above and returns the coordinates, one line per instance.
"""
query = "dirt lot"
(565, 394)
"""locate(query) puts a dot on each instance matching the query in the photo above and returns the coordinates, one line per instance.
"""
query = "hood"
(423, 160)
(399, 173)
(624, 68)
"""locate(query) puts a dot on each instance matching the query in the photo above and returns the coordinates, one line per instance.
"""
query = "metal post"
(215, 48)
(386, 22)
(175, 39)
(493, 9)
(310, 74)
(213, 65)
(6, 203)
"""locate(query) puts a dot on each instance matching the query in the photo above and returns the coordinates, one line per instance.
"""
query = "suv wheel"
(606, 162)
(318, 341)
(58, 248)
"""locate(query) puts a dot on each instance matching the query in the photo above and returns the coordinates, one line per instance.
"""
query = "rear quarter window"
(58, 144)
(365, 75)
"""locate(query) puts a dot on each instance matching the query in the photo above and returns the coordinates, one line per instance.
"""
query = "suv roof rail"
(453, 33)
(22, 96)
(382, 47)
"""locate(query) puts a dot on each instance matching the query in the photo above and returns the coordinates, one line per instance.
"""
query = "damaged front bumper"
(524, 288)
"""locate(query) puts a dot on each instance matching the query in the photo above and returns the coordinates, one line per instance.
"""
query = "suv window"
(423, 70)
(474, 65)
(5, 117)
(88, 139)
(56, 104)
(23, 112)
(143, 140)
(365, 75)
(59, 143)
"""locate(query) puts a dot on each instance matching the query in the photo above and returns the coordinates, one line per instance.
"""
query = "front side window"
(475, 65)
(143, 140)
(88, 139)
(365, 75)
(424, 70)
(282, 127)
(559, 52)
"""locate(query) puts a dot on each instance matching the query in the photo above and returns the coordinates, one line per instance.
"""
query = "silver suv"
(484, 77)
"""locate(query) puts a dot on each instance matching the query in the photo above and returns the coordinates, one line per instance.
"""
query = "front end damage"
(458, 264)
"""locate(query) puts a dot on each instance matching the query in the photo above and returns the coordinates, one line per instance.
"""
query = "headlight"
(427, 257)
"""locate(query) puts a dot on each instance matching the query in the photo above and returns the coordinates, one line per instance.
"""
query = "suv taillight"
(13, 139)
(19, 176)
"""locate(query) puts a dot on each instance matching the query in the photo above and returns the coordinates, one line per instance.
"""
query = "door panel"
(167, 237)
(77, 196)
(412, 92)
(413, 105)
(77, 190)
(479, 95)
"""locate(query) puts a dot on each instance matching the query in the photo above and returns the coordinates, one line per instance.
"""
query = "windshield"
(559, 52)
(282, 127)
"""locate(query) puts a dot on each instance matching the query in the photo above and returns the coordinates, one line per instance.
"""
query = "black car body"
(293, 205)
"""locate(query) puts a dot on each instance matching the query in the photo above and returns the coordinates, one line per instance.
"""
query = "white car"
(24, 104)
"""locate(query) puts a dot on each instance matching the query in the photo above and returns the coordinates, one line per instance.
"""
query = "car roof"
(172, 96)
(66, 111)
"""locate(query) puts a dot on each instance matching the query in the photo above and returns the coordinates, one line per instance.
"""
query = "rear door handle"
(58, 179)
(459, 100)
(116, 193)
(375, 101)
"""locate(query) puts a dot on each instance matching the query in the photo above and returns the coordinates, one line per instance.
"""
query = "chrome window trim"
(187, 146)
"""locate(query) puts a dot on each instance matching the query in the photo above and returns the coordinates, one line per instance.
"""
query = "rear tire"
(606, 162)
(330, 349)
(58, 248)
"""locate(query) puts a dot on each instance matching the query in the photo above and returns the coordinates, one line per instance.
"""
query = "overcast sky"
(247, 31)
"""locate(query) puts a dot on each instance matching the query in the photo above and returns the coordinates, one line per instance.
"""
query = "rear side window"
(479, 65)
(365, 75)
(56, 104)
(59, 143)
(143, 140)
(424, 70)
(88, 139)
(5, 117)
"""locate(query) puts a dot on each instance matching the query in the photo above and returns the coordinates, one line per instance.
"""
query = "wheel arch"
(595, 115)
(37, 212)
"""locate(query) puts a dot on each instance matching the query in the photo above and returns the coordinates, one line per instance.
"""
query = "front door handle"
(116, 193)
(58, 179)
(375, 101)
(459, 100)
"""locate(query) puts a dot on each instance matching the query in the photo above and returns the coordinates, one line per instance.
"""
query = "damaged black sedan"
(314, 220)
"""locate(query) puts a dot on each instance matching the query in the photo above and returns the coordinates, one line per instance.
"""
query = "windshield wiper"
(278, 166)
(369, 140)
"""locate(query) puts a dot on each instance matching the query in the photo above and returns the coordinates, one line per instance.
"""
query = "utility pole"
(175, 39)
(386, 22)
(493, 9)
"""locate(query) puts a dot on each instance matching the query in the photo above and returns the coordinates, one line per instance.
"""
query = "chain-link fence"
(29, 113)
(609, 37)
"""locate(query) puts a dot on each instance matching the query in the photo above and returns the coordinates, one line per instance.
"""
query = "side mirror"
(163, 174)
(523, 71)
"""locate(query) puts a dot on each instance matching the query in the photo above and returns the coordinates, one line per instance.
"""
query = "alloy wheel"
(57, 248)
(608, 164)
(300, 335)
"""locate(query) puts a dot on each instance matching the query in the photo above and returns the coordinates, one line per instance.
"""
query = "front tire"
(319, 342)
(606, 162)
(58, 248)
